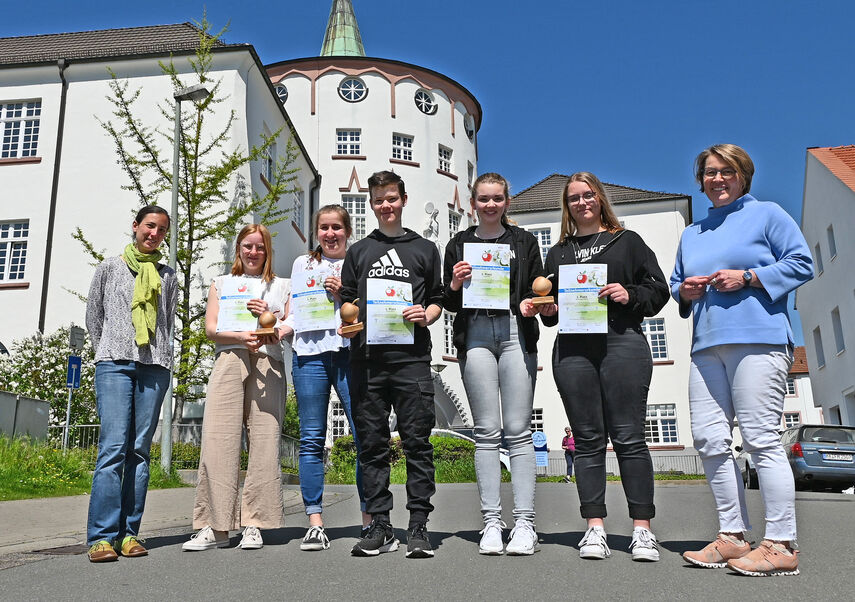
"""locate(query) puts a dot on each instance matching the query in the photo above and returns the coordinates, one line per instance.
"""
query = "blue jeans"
(499, 377)
(128, 396)
(313, 376)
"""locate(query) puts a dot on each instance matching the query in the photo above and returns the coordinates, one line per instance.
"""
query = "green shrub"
(31, 469)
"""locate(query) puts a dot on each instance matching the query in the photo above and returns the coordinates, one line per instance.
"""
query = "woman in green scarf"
(129, 314)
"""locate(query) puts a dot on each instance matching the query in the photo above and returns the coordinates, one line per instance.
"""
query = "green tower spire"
(342, 37)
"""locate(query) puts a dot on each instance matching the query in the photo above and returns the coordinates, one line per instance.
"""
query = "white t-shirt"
(276, 293)
(314, 342)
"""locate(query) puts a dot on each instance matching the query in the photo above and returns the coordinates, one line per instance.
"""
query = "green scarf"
(146, 291)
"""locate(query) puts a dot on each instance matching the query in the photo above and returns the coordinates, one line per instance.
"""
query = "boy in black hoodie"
(384, 376)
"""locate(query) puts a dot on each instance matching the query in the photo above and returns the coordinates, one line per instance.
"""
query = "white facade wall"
(660, 224)
(89, 192)
(829, 202)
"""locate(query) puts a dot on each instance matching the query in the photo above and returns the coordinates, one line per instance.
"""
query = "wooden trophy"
(349, 314)
(266, 321)
(541, 287)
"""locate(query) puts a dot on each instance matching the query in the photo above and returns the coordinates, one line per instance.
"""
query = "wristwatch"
(747, 277)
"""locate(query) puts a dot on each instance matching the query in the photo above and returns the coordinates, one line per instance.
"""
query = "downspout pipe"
(62, 64)
(314, 189)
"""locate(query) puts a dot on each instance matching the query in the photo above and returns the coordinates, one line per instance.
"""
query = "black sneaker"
(379, 539)
(418, 542)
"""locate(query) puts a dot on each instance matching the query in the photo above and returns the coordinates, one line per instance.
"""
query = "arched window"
(352, 89)
(425, 102)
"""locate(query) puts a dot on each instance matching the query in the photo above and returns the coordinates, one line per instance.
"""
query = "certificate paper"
(385, 303)
(490, 285)
(312, 306)
(579, 308)
(233, 315)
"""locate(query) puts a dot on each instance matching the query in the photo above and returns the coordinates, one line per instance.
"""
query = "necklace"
(577, 249)
(491, 238)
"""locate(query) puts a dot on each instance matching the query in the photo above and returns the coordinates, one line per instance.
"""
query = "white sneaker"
(204, 540)
(643, 546)
(491, 538)
(593, 545)
(523, 539)
(251, 539)
(315, 539)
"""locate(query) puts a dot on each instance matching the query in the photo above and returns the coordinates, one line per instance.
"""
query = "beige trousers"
(244, 389)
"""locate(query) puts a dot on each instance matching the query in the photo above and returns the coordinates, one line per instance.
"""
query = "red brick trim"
(450, 358)
(14, 285)
(20, 160)
(663, 362)
(351, 157)
(447, 174)
(403, 162)
(299, 232)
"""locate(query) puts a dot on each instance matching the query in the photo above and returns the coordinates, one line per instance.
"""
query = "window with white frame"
(352, 89)
(281, 92)
(450, 349)
(445, 159)
(13, 249)
(791, 419)
(791, 386)
(832, 245)
(817, 344)
(654, 330)
(425, 102)
(298, 213)
(537, 419)
(339, 426)
(660, 425)
(348, 142)
(355, 205)
(268, 163)
(453, 222)
(19, 129)
(544, 241)
(402, 147)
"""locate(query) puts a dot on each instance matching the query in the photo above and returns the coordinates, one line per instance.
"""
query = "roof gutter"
(62, 64)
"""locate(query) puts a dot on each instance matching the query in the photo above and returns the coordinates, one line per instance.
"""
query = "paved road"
(280, 570)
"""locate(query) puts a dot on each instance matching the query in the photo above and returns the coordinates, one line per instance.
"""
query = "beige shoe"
(716, 554)
(766, 560)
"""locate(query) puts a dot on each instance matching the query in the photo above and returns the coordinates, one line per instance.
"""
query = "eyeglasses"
(250, 247)
(726, 173)
(577, 198)
(499, 198)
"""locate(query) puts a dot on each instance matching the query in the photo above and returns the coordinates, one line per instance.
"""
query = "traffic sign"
(76, 338)
(72, 376)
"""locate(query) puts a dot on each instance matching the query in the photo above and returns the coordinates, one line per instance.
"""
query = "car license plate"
(839, 457)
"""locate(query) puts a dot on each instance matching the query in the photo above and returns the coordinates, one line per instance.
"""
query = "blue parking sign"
(72, 377)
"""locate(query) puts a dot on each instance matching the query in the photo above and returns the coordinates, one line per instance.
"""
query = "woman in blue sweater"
(733, 272)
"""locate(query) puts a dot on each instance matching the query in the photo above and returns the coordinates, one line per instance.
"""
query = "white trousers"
(746, 382)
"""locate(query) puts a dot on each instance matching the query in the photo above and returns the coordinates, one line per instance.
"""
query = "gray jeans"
(499, 378)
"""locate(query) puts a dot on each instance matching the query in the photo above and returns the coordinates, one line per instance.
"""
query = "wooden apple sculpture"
(349, 313)
(541, 287)
(266, 321)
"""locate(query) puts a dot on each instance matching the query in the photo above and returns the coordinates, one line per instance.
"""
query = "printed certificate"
(384, 305)
(235, 292)
(312, 306)
(490, 285)
(579, 308)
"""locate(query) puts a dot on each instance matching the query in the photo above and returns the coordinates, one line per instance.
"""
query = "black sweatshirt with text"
(406, 258)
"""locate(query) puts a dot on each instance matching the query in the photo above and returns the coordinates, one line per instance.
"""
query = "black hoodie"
(407, 258)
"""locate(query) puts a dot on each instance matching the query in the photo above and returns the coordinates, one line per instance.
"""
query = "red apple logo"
(242, 288)
(390, 292)
(486, 256)
(310, 282)
(582, 278)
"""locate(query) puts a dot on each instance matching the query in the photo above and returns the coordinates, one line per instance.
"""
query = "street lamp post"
(197, 93)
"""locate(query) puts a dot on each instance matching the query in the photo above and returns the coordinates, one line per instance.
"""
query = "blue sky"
(629, 90)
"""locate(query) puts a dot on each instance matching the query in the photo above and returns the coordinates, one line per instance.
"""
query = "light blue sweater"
(746, 234)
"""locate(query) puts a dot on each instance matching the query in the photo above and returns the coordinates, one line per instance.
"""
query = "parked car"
(746, 467)
(821, 455)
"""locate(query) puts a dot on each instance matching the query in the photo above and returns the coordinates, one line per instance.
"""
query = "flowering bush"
(37, 368)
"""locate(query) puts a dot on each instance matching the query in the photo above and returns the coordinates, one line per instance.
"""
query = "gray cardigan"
(108, 315)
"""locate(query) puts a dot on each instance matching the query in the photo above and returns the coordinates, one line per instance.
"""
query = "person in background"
(733, 273)
(497, 350)
(130, 312)
(321, 362)
(246, 389)
(603, 379)
(568, 444)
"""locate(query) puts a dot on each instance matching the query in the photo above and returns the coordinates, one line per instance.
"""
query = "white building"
(827, 303)
(58, 167)
(660, 219)
(358, 115)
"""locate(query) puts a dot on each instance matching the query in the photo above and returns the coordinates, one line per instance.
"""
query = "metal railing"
(676, 463)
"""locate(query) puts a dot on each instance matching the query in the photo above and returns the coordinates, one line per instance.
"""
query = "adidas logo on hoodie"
(388, 265)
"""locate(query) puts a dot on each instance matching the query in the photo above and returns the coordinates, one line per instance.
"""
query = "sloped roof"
(800, 365)
(840, 160)
(102, 43)
(546, 195)
(342, 37)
